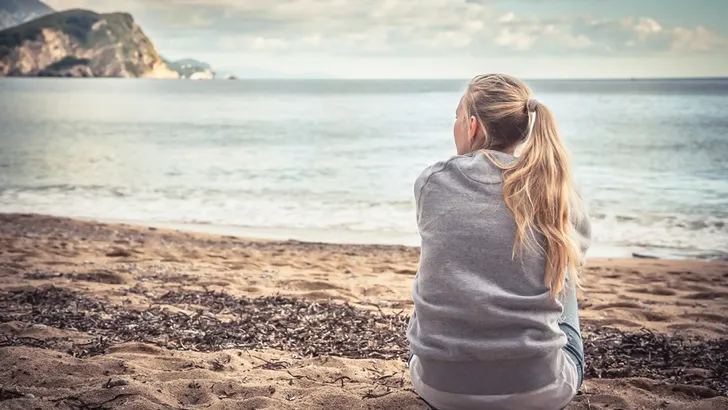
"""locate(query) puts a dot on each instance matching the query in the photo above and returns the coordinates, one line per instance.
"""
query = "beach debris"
(323, 329)
(218, 364)
(678, 359)
(341, 379)
(643, 256)
(269, 365)
(371, 394)
(10, 394)
(116, 383)
(38, 275)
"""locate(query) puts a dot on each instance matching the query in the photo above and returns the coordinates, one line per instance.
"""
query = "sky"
(437, 38)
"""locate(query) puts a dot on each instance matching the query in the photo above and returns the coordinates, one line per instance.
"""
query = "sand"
(44, 363)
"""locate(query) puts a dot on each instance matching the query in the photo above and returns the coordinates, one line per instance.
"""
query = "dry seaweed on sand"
(677, 359)
(320, 329)
(10, 394)
(303, 327)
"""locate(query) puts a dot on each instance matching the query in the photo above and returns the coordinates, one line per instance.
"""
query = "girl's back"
(490, 290)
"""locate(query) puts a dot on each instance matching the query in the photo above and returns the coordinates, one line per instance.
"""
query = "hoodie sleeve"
(422, 181)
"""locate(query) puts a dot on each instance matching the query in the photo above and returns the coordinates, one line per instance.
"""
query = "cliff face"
(80, 43)
(15, 12)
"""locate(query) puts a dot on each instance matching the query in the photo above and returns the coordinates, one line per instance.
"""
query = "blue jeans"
(569, 324)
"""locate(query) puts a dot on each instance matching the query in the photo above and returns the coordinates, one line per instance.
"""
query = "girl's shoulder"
(478, 167)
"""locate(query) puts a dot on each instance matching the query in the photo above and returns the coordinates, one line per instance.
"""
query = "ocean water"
(335, 160)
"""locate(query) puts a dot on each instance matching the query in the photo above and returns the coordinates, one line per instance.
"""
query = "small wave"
(686, 222)
(704, 236)
(38, 188)
(119, 192)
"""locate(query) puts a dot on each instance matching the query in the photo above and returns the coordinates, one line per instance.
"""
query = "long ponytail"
(540, 193)
(538, 187)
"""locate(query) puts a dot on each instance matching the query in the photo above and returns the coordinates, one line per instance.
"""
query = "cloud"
(517, 39)
(622, 37)
(698, 39)
(398, 28)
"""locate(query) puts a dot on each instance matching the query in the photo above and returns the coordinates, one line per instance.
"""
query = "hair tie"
(531, 105)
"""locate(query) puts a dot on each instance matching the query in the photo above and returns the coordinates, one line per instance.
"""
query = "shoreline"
(349, 237)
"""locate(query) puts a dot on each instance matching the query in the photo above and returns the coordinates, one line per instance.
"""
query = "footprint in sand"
(707, 317)
(614, 322)
(110, 278)
(118, 253)
(695, 328)
(220, 283)
(376, 290)
(600, 402)
(137, 348)
(626, 305)
(609, 274)
(696, 288)
(310, 285)
(656, 317)
(707, 295)
(654, 291)
(192, 392)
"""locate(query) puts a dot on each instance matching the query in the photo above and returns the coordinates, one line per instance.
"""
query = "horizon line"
(704, 78)
(575, 79)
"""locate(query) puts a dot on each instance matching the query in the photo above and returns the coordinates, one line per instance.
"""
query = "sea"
(335, 160)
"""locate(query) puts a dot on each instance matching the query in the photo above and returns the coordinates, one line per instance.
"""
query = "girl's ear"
(473, 128)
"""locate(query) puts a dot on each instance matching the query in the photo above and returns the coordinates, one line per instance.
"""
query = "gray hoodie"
(484, 322)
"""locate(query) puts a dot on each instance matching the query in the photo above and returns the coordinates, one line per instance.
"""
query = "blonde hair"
(537, 187)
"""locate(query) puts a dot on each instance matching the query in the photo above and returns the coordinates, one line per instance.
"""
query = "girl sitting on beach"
(495, 324)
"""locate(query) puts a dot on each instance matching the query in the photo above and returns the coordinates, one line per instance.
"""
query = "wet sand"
(120, 316)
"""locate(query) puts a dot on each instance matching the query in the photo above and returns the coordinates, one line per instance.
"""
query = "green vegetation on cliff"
(75, 23)
(68, 62)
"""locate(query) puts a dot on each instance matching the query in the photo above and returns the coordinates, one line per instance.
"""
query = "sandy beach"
(97, 315)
